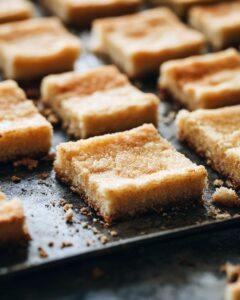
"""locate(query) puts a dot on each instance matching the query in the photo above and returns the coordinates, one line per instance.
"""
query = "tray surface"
(46, 216)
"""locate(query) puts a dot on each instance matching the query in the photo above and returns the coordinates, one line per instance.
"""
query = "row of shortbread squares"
(120, 174)
(83, 12)
(33, 48)
(95, 90)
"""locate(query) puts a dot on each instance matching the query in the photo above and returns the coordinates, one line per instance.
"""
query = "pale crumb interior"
(128, 173)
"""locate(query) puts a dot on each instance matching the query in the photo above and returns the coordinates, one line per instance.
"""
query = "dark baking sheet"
(46, 218)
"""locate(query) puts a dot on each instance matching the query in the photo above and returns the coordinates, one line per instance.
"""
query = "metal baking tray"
(63, 242)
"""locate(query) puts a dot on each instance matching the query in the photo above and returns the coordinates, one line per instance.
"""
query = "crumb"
(103, 239)
(49, 157)
(67, 206)
(97, 273)
(42, 253)
(69, 215)
(170, 117)
(84, 211)
(66, 245)
(29, 163)
(62, 202)
(44, 175)
(89, 243)
(15, 179)
(218, 182)
(113, 233)
(50, 244)
(229, 183)
(95, 230)
(84, 224)
(217, 214)
(226, 196)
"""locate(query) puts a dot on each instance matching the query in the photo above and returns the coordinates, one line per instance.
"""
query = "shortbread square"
(214, 134)
(220, 23)
(15, 10)
(23, 131)
(98, 101)
(181, 7)
(128, 173)
(13, 227)
(37, 47)
(139, 43)
(83, 12)
(206, 81)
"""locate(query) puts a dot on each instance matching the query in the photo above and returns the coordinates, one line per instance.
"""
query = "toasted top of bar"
(149, 31)
(71, 84)
(11, 211)
(12, 8)
(128, 155)
(225, 14)
(222, 124)
(34, 36)
(15, 111)
(205, 70)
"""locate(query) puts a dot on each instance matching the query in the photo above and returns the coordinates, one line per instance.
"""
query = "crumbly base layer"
(186, 198)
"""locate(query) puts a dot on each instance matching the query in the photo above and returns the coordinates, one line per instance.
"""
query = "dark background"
(182, 269)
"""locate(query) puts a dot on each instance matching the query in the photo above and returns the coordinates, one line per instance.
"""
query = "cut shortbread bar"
(227, 197)
(181, 7)
(98, 101)
(13, 226)
(84, 12)
(128, 173)
(206, 81)
(219, 22)
(214, 134)
(15, 10)
(139, 43)
(36, 47)
(23, 131)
